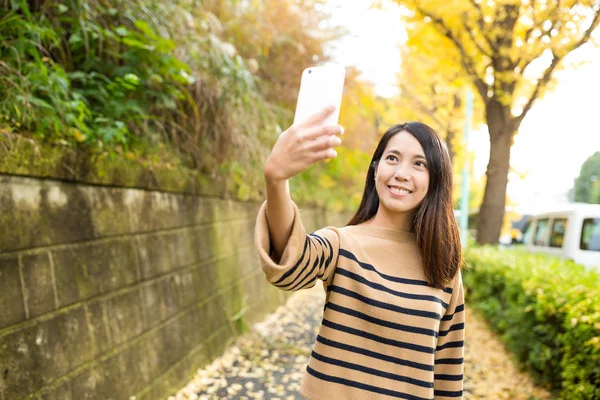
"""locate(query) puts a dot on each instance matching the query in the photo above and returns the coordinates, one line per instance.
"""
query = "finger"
(316, 132)
(325, 143)
(325, 154)
(317, 117)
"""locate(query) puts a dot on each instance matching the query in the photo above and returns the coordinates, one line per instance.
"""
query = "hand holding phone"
(302, 145)
(315, 131)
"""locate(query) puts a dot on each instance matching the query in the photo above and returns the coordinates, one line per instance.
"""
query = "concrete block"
(38, 354)
(99, 323)
(89, 270)
(94, 383)
(155, 350)
(109, 211)
(206, 277)
(39, 213)
(124, 316)
(154, 211)
(154, 303)
(161, 253)
(165, 297)
(175, 347)
(39, 288)
(214, 315)
(116, 378)
(204, 243)
(11, 297)
(195, 326)
(187, 286)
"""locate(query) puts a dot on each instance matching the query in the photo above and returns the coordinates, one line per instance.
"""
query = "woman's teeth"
(399, 191)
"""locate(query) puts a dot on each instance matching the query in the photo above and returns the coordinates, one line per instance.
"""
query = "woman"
(393, 324)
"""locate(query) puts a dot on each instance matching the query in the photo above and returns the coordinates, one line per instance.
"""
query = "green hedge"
(547, 310)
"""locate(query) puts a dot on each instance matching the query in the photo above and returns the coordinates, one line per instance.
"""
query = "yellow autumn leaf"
(79, 137)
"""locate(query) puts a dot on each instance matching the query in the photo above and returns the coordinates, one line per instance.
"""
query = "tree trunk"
(491, 213)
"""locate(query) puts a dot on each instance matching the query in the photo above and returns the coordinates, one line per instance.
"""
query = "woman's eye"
(420, 164)
(391, 157)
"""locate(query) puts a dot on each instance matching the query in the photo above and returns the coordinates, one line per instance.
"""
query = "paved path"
(268, 362)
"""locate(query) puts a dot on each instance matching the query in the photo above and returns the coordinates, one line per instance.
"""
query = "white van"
(573, 233)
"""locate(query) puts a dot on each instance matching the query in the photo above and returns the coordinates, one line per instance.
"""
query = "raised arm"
(305, 258)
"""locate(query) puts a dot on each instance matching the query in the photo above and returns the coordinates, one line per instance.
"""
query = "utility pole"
(464, 193)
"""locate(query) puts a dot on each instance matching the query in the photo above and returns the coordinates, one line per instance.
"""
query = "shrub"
(547, 310)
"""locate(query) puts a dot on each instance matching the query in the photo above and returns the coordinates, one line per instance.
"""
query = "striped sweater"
(385, 332)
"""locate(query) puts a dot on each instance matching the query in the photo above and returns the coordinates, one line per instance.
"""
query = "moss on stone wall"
(20, 155)
(24, 156)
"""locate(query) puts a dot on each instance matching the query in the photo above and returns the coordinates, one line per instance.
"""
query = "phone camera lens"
(310, 71)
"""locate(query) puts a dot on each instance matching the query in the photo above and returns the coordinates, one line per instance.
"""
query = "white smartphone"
(320, 87)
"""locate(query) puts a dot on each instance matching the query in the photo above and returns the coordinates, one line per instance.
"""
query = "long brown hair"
(434, 224)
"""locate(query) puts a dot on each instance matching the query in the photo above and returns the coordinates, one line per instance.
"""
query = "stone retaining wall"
(109, 293)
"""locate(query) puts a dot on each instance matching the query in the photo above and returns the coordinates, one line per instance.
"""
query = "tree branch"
(506, 18)
(481, 22)
(472, 36)
(465, 60)
(548, 73)
(481, 19)
(534, 19)
(586, 35)
(524, 63)
(554, 12)
(541, 84)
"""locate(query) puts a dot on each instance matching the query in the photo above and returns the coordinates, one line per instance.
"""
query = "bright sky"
(559, 133)
(372, 44)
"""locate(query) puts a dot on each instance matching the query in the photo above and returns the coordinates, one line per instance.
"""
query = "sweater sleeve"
(449, 353)
(305, 258)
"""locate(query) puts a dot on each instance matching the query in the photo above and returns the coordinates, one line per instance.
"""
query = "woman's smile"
(399, 191)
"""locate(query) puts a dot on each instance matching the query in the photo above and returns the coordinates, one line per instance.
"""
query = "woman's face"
(402, 175)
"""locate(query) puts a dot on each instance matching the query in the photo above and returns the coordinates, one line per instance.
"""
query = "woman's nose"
(401, 172)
